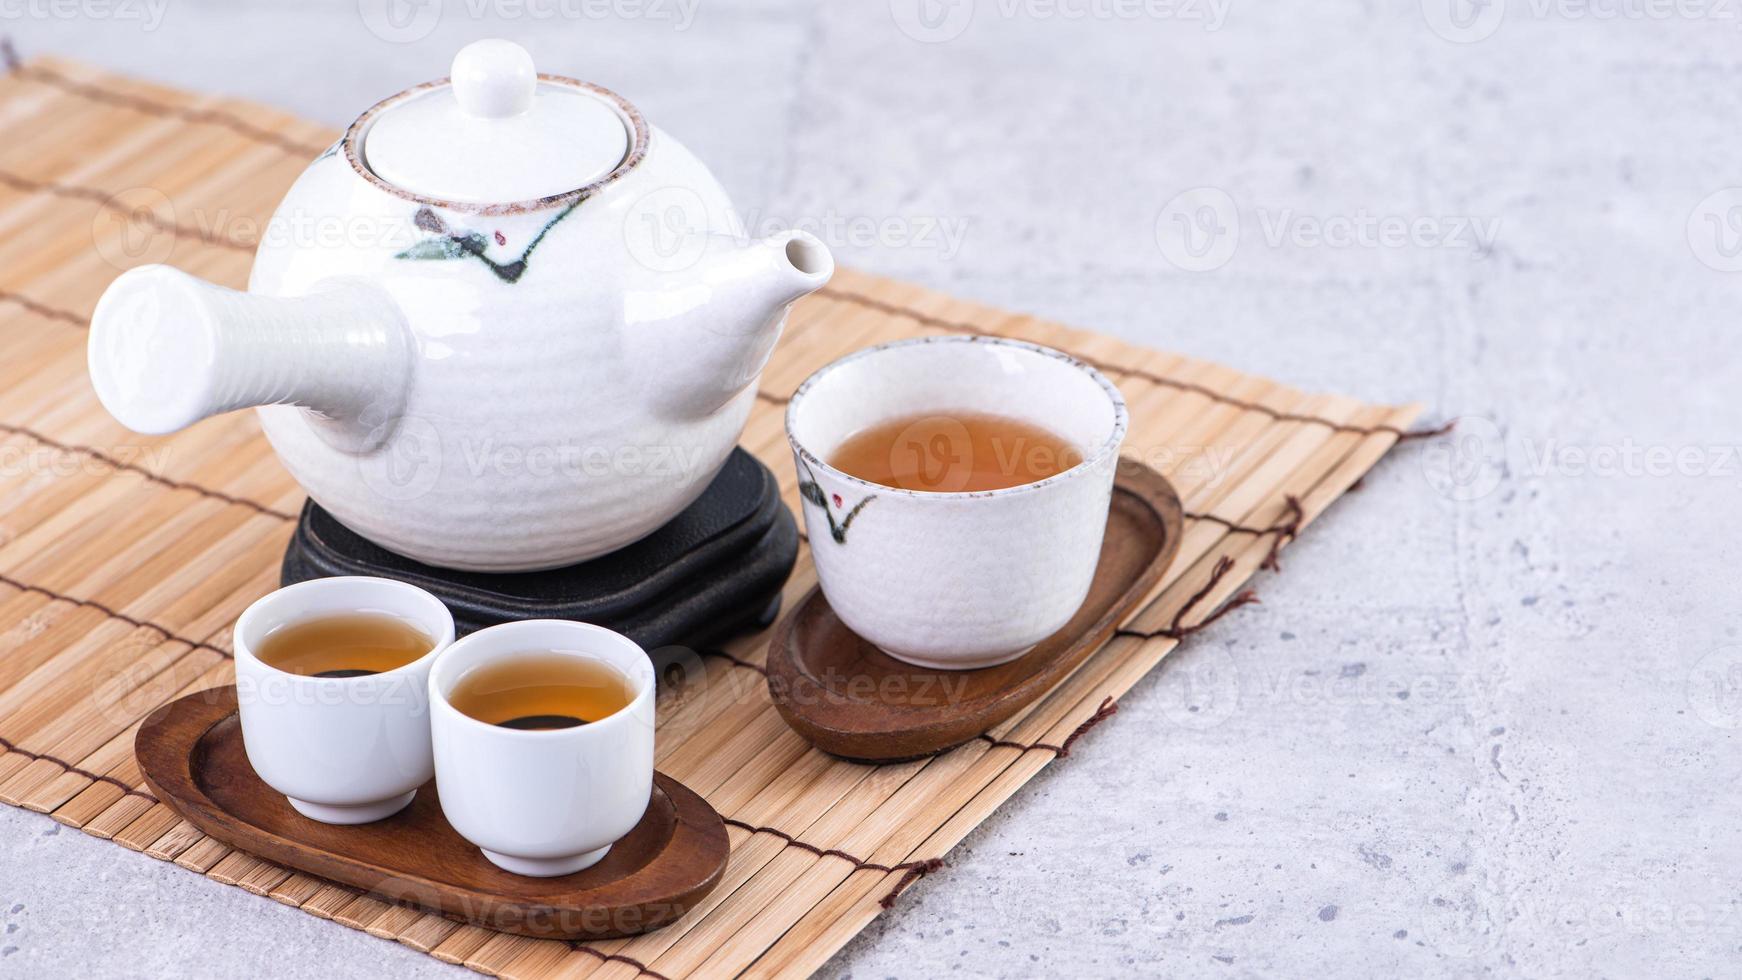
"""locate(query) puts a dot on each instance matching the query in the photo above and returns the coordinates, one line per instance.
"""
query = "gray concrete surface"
(1485, 721)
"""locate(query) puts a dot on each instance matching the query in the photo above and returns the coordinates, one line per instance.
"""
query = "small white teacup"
(343, 750)
(544, 802)
(965, 579)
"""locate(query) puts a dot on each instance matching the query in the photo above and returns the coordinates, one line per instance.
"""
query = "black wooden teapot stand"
(716, 569)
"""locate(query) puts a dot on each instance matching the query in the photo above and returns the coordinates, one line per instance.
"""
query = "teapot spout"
(802, 265)
(168, 349)
(709, 333)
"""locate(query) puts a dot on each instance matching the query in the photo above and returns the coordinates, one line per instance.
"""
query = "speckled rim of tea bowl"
(937, 578)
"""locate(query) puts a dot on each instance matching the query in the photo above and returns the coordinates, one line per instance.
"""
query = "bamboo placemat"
(124, 560)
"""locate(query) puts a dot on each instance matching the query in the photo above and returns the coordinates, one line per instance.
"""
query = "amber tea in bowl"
(542, 692)
(344, 645)
(955, 492)
(954, 452)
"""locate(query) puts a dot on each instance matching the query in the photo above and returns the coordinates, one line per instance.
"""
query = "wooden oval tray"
(190, 752)
(853, 700)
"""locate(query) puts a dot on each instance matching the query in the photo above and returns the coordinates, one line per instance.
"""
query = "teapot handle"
(168, 349)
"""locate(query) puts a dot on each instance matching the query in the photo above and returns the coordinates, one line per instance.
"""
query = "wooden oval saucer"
(191, 754)
(853, 700)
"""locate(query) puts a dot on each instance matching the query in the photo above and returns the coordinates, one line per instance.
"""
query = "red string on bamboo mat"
(43, 310)
(1293, 517)
(1177, 630)
(126, 790)
(111, 461)
(113, 613)
(1108, 709)
(111, 202)
(618, 958)
(911, 871)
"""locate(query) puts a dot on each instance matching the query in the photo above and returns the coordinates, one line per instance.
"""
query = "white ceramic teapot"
(502, 325)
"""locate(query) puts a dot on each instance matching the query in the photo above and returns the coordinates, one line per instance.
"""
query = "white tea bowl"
(343, 750)
(956, 580)
(544, 802)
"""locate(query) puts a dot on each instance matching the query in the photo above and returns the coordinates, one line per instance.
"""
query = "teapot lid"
(496, 133)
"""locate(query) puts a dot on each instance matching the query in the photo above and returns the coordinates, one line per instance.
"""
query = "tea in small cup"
(956, 492)
(543, 735)
(332, 684)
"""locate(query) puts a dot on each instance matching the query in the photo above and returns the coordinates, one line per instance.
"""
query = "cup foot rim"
(545, 867)
(352, 814)
(931, 663)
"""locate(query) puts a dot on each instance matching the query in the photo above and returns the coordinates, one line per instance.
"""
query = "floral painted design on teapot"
(448, 244)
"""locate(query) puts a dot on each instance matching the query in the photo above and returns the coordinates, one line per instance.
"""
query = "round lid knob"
(493, 79)
(496, 134)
